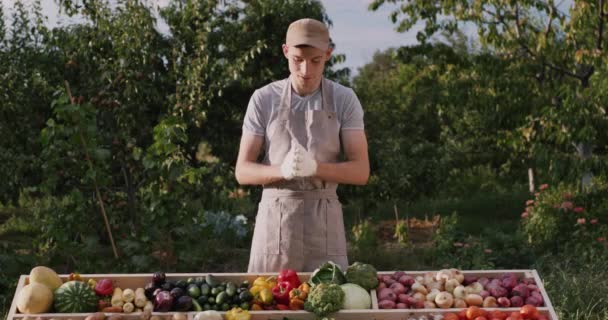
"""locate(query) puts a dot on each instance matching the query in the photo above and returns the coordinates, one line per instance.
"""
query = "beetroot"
(498, 292)
(407, 280)
(533, 301)
(517, 301)
(538, 297)
(387, 294)
(386, 304)
(484, 294)
(504, 302)
(468, 279)
(521, 290)
(484, 281)
(398, 288)
(509, 282)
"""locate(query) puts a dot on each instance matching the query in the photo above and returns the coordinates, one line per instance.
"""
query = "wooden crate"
(139, 280)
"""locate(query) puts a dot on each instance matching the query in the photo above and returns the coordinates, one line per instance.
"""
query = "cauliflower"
(324, 299)
(362, 274)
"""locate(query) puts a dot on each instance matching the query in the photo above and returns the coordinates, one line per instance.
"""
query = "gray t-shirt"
(265, 101)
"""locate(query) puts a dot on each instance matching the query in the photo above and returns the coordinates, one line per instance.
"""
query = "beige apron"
(299, 224)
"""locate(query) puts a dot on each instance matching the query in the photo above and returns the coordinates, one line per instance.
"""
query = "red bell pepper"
(104, 287)
(290, 276)
(280, 292)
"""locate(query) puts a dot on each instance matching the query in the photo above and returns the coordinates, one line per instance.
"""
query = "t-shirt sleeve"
(352, 112)
(255, 121)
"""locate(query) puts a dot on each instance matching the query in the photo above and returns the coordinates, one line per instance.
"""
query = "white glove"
(289, 165)
(307, 165)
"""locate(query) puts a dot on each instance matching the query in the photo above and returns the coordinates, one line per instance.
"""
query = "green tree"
(564, 57)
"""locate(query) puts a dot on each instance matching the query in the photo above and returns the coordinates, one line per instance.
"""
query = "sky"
(357, 32)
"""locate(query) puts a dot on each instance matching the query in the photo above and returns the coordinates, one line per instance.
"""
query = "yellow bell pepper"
(261, 289)
(238, 314)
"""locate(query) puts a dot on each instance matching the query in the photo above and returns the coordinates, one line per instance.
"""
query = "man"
(302, 123)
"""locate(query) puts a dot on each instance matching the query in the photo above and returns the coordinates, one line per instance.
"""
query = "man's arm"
(248, 171)
(355, 170)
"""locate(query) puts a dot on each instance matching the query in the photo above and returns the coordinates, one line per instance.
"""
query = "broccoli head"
(324, 299)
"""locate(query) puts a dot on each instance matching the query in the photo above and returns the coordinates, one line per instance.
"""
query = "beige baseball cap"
(308, 32)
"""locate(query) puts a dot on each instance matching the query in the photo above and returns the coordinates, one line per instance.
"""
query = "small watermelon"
(75, 297)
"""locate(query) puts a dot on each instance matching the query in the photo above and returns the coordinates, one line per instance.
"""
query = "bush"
(566, 218)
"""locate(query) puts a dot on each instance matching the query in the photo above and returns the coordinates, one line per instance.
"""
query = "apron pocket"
(271, 226)
(336, 238)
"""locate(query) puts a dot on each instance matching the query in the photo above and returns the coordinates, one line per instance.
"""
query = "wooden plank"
(13, 309)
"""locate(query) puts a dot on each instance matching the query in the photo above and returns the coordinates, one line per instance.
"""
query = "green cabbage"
(362, 274)
(356, 297)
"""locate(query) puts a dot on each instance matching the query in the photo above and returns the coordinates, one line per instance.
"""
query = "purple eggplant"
(183, 303)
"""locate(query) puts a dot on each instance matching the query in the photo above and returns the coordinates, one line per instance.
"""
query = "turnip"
(418, 287)
(521, 290)
(444, 300)
(398, 288)
(443, 275)
(474, 287)
(451, 284)
(419, 296)
(460, 292)
(457, 274)
(386, 304)
(517, 301)
(490, 302)
(504, 302)
(473, 299)
(435, 285)
(406, 280)
(431, 295)
(387, 294)
(460, 303)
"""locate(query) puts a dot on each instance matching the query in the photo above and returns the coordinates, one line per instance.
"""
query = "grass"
(578, 289)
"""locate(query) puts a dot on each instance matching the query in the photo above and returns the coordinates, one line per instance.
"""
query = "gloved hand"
(307, 165)
(290, 164)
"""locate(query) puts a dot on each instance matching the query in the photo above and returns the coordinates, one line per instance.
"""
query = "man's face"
(306, 65)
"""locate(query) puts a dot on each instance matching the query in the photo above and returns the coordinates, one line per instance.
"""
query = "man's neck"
(304, 91)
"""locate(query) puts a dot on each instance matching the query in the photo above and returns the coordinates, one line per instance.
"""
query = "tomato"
(497, 314)
(474, 312)
(450, 316)
(529, 312)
